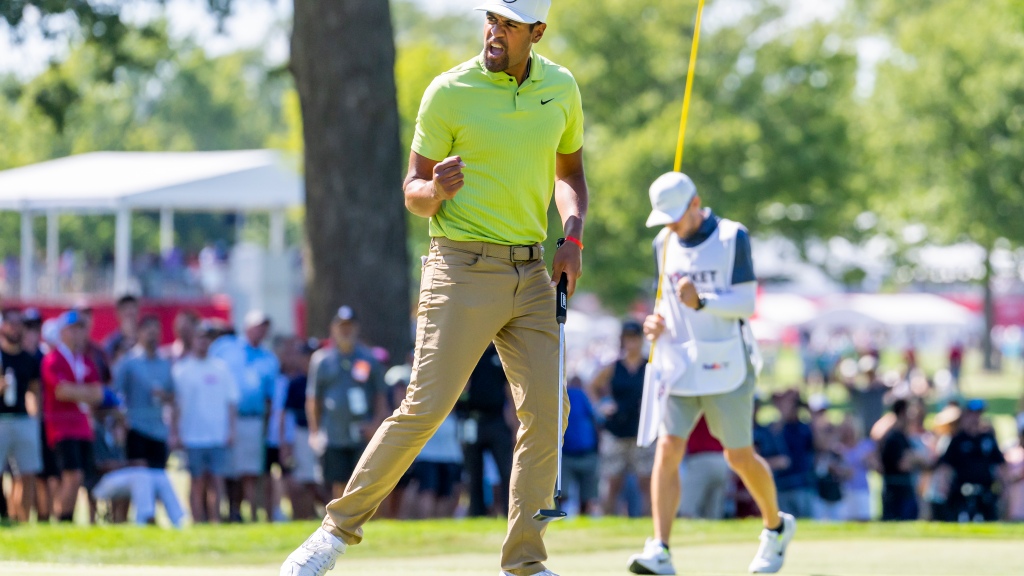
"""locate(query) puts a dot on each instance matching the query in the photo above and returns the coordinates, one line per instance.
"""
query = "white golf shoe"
(316, 555)
(772, 552)
(655, 559)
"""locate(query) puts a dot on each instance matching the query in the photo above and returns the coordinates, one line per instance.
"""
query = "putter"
(561, 309)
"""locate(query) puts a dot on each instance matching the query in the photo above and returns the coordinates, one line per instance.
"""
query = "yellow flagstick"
(680, 143)
(689, 88)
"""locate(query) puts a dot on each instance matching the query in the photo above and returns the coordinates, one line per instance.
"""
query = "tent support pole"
(52, 251)
(277, 228)
(27, 250)
(166, 230)
(122, 250)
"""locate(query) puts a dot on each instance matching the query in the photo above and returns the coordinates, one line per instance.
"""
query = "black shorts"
(340, 463)
(272, 455)
(138, 446)
(75, 455)
(405, 480)
(437, 477)
(50, 469)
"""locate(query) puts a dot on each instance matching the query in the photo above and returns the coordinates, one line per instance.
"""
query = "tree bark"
(343, 60)
(989, 310)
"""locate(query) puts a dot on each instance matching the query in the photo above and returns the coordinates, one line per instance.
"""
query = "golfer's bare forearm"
(571, 193)
(420, 198)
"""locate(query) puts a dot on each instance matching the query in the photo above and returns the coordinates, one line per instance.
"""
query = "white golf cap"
(671, 195)
(256, 318)
(527, 11)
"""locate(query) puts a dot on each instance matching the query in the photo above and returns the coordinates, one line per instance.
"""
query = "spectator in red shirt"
(70, 389)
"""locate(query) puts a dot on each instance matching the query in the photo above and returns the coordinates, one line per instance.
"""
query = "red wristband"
(575, 241)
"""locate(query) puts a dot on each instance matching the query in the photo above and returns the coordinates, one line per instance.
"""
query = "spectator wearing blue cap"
(976, 463)
(346, 400)
(71, 388)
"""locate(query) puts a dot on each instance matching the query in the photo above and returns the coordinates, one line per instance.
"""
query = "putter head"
(549, 515)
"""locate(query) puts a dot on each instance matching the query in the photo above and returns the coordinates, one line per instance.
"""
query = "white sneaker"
(655, 559)
(772, 552)
(316, 555)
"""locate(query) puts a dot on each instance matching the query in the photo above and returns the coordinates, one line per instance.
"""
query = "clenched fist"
(448, 177)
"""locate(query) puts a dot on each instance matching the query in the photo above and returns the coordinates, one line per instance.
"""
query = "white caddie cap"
(671, 195)
(526, 11)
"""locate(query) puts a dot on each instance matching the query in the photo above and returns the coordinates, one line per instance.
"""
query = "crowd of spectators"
(256, 420)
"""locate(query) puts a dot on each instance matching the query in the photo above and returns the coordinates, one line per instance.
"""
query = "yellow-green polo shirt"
(508, 136)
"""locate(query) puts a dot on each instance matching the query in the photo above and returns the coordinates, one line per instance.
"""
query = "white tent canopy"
(120, 182)
(784, 310)
(892, 310)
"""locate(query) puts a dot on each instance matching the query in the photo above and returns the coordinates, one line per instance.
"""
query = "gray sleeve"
(312, 380)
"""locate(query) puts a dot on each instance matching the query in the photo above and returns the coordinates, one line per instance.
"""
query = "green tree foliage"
(180, 100)
(946, 120)
(946, 123)
(769, 140)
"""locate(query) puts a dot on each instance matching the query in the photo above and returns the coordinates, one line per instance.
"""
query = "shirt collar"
(704, 232)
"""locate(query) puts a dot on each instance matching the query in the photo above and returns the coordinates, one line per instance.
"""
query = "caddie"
(704, 363)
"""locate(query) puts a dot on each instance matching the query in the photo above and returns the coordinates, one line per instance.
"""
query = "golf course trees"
(343, 58)
(768, 142)
(343, 61)
(174, 97)
(946, 123)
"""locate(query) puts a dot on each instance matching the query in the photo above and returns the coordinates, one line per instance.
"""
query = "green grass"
(267, 544)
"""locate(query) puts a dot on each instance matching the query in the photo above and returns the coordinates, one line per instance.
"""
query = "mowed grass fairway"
(577, 547)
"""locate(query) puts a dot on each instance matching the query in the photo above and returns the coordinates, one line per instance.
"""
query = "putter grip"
(561, 293)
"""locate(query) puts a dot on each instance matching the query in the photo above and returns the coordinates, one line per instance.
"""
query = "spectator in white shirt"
(207, 398)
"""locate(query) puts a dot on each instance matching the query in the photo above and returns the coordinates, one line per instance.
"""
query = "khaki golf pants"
(470, 294)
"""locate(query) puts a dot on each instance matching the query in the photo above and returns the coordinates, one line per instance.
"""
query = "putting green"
(905, 557)
(576, 547)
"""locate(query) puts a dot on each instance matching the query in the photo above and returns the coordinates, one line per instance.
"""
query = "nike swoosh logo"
(543, 102)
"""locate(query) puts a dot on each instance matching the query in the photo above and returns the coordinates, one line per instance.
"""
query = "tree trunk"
(343, 60)
(989, 311)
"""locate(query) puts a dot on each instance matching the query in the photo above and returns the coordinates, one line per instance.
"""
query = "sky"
(264, 23)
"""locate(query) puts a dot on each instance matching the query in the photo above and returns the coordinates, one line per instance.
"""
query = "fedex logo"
(715, 366)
